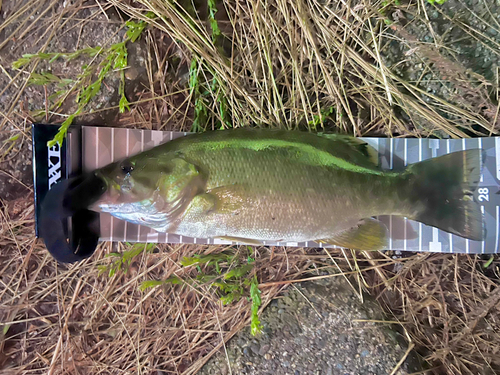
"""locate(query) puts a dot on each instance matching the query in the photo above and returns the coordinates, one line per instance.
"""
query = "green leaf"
(152, 283)
(135, 29)
(13, 138)
(214, 25)
(489, 261)
(255, 325)
(102, 268)
(119, 55)
(19, 63)
(193, 75)
(124, 104)
(41, 79)
(122, 261)
(61, 134)
(204, 259)
(239, 271)
(54, 58)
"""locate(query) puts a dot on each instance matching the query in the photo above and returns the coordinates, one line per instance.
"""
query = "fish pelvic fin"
(368, 234)
(444, 186)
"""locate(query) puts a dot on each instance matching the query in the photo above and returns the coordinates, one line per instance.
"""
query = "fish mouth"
(68, 228)
(110, 195)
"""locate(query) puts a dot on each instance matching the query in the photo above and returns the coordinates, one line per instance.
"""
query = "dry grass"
(288, 61)
(450, 306)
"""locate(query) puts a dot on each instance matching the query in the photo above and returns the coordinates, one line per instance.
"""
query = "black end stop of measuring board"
(63, 194)
(71, 231)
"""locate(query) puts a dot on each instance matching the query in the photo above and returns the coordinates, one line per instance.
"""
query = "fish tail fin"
(444, 186)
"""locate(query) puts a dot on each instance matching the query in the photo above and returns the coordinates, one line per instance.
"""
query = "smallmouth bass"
(254, 185)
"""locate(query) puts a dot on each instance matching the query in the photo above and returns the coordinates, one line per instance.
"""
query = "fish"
(257, 185)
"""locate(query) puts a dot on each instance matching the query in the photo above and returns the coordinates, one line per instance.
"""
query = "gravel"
(449, 51)
(319, 327)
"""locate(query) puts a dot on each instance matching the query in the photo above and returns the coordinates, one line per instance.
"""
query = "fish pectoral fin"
(246, 241)
(228, 199)
(368, 234)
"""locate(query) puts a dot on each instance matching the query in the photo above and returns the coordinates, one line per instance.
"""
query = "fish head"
(163, 183)
(129, 180)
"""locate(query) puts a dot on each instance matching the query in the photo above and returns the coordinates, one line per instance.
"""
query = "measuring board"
(101, 146)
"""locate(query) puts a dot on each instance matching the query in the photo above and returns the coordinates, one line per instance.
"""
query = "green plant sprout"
(10, 143)
(28, 58)
(207, 95)
(255, 325)
(231, 277)
(320, 119)
(440, 2)
(123, 260)
(214, 25)
(489, 262)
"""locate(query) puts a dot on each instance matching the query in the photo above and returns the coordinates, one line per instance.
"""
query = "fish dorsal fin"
(368, 234)
(358, 145)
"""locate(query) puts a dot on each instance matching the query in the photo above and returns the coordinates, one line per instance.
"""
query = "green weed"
(255, 325)
(208, 93)
(9, 144)
(214, 25)
(321, 118)
(200, 108)
(228, 273)
(122, 261)
(174, 280)
(28, 58)
(115, 58)
(46, 78)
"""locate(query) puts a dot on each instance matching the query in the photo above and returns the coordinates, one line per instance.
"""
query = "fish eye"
(127, 167)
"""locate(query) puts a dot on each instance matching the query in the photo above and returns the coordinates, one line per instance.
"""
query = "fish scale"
(301, 198)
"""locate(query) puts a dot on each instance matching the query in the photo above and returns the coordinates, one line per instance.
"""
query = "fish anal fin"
(368, 234)
(246, 241)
